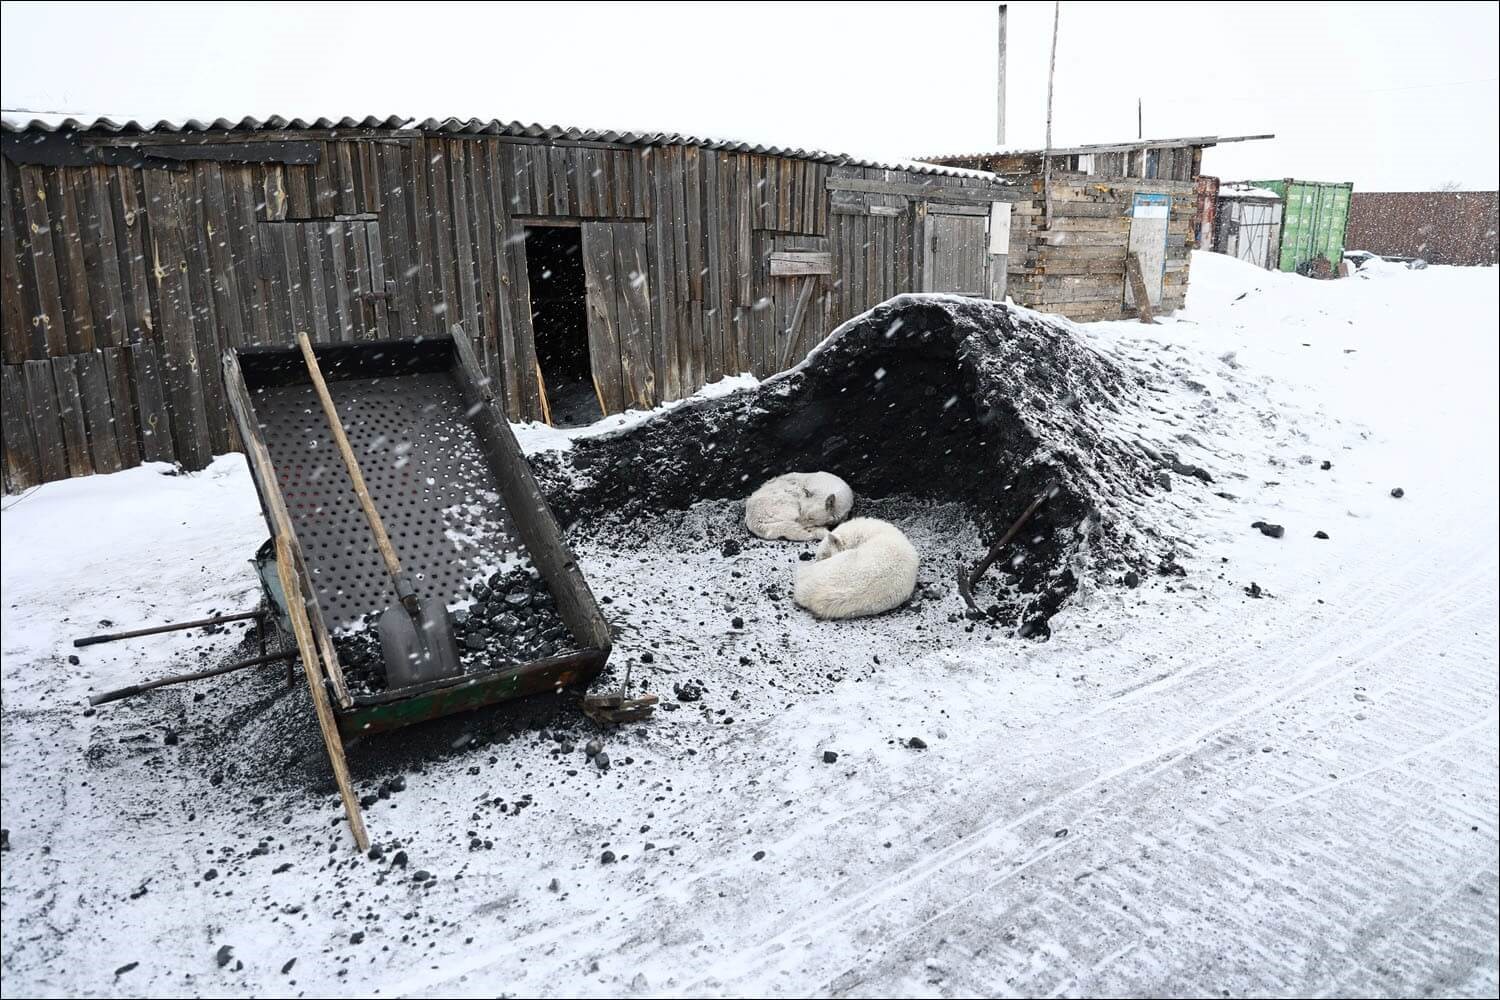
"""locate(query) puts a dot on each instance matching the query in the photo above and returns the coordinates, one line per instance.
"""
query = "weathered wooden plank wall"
(125, 284)
(1077, 267)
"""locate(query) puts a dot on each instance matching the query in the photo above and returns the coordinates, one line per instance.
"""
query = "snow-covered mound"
(934, 397)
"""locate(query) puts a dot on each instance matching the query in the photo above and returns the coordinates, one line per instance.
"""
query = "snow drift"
(935, 397)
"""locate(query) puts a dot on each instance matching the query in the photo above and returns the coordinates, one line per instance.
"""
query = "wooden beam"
(1138, 288)
(930, 190)
(263, 472)
(309, 655)
(787, 263)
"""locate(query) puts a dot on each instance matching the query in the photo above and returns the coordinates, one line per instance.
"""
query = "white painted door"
(1148, 241)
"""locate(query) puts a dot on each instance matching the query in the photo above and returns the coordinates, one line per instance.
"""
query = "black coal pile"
(929, 397)
(513, 619)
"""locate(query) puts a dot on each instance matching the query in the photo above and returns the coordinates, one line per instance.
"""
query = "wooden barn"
(1088, 209)
(598, 270)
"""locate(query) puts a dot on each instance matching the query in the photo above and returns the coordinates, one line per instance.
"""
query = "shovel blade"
(418, 649)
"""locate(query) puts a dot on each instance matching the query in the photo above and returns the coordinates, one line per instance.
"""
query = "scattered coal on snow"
(931, 399)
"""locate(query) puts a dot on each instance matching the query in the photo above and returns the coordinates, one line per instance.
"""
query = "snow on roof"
(1247, 191)
(50, 122)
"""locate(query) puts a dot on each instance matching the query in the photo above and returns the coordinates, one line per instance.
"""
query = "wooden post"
(1140, 128)
(1000, 86)
(1047, 147)
(308, 651)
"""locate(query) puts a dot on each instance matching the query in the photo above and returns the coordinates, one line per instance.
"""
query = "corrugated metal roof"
(465, 126)
(1104, 147)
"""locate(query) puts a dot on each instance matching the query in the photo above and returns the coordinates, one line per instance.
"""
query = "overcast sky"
(1389, 96)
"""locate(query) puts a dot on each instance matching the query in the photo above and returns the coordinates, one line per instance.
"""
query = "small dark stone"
(729, 548)
(398, 860)
(4, 840)
(211, 874)
(648, 657)
(171, 738)
(125, 968)
(607, 858)
(592, 747)
(805, 556)
(357, 937)
(73, 660)
(554, 885)
(1132, 579)
(369, 800)
(1061, 833)
(1326, 465)
(601, 760)
(687, 692)
(1398, 493)
(917, 743)
(1164, 480)
(223, 955)
(737, 622)
(518, 598)
(421, 875)
(829, 757)
(1254, 590)
(473, 642)
(758, 855)
(288, 966)
(1269, 530)
(1320, 534)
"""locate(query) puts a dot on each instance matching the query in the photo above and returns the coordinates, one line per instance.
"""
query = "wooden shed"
(1106, 201)
(597, 270)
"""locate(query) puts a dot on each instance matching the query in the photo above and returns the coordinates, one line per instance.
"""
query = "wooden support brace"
(308, 650)
(1138, 288)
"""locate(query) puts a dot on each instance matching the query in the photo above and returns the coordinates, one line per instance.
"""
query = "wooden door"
(619, 311)
(327, 277)
(957, 251)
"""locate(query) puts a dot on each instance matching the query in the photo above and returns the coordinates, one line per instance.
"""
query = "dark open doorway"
(560, 323)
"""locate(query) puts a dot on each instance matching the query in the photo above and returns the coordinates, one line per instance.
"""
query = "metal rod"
(135, 689)
(94, 640)
(967, 580)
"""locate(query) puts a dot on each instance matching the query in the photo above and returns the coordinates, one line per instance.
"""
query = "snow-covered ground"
(1186, 790)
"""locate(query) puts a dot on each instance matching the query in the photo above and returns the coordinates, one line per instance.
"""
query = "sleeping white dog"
(864, 567)
(798, 506)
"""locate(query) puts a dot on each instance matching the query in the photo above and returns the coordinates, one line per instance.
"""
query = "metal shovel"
(416, 638)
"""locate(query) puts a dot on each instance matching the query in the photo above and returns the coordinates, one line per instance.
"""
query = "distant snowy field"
(1186, 790)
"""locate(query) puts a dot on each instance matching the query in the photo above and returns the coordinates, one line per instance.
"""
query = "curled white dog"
(863, 567)
(798, 506)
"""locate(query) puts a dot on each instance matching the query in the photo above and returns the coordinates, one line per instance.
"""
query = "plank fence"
(133, 259)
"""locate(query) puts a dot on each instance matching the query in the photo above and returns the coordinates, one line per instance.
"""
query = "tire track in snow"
(810, 927)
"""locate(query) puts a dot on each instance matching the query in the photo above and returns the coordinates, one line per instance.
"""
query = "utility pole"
(1140, 132)
(1000, 86)
(1047, 148)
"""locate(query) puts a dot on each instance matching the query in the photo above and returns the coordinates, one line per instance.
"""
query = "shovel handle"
(377, 526)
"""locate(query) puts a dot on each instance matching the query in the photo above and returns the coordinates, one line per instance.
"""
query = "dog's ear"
(830, 504)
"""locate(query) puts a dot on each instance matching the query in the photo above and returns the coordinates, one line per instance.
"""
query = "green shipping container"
(1316, 215)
